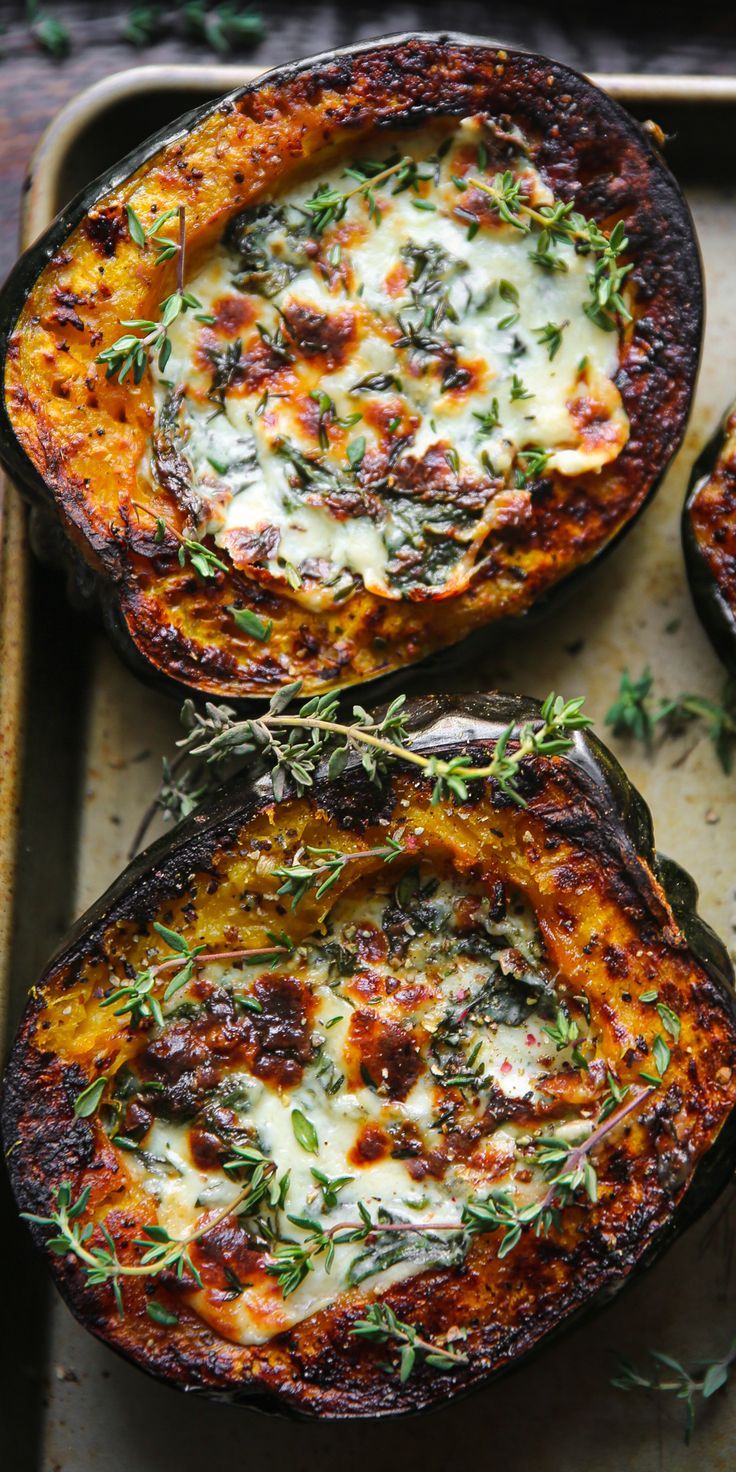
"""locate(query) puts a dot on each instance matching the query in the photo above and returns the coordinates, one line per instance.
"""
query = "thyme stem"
(205, 957)
(580, 1152)
(182, 245)
(539, 219)
(292, 1262)
(175, 766)
(529, 741)
(179, 1245)
(370, 183)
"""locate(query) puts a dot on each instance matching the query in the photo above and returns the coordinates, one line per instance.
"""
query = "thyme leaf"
(670, 1377)
(88, 1102)
(293, 744)
(159, 1252)
(298, 878)
(305, 1133)
(557, 222)
(251, 623)
(635, 714)
(381, 1326)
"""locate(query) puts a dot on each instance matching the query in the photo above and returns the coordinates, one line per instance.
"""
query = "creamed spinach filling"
(383, 369)
(392, 1069)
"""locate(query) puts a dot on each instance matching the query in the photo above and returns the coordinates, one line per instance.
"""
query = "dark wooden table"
(625, 35)
(629, 35)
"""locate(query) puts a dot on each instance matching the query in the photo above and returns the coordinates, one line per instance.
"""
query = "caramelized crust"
(616, 924)
(74, 438)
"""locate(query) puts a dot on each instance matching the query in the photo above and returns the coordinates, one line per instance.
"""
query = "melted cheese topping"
(412, 1015)
(357, 396)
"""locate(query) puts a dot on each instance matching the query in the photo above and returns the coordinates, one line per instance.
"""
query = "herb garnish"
(137, 998)
(304, 1132)
(141, 234)
(160, 1252)
(518, 391)
(314, 735)
(381, 1326)
(151, 339)
(568, 1169)
(204, 561)
(298, 878)
(251, 623)
(634, 714)
(221, 27)
(559, 221)
(225, 363)
(550, 336)
(327, 206)
(489, 419)
(672, 1378)
(531, 463)
(88, 1102)
(330, 1188)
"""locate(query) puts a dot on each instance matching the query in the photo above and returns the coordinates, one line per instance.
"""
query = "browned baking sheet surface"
(94, 739)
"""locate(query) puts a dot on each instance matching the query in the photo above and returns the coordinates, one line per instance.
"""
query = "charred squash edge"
(90, 582)
(713, 608)
(441, 724)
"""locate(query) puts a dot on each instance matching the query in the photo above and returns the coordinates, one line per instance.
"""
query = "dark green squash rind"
(441, 724)
(713, 608)
(96, 588)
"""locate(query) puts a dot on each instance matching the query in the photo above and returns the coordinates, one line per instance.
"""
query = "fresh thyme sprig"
(381, 1326)
(531, 463)
(635, 714)
(550, 336)
(290, 1262)
(299, 878)
(150, 340)
(565, 1033)
(327, 206)
(222, 26)
(47, 31)
(315, 735)
(630, 714)
(569, 1170)
(181, 791)
(137, 998)
(672, 1378)
(330, 1188)
(567, 1167)
(160, 1252)
(204, 561)
(560, 221)
(141, 234)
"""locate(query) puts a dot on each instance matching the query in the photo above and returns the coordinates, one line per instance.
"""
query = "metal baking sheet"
(81, 744)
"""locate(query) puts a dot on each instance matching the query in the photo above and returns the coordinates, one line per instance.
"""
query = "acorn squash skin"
(709, 538)
(54, 319)
(580, 807)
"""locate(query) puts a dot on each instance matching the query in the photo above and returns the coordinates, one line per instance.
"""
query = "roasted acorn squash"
(496, 1052)
(385, 346)
(709, 539)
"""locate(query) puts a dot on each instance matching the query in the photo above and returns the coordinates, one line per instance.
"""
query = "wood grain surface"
(643, 36)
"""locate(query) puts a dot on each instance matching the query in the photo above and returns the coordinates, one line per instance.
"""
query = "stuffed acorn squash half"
(383, 347)
(709, 539)
(343, 1103)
